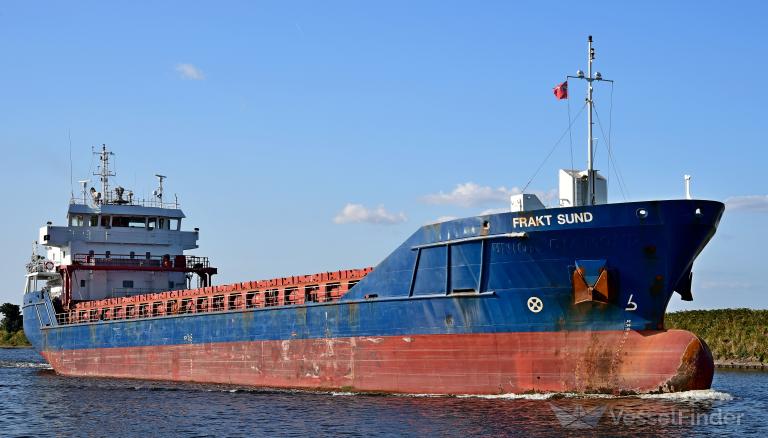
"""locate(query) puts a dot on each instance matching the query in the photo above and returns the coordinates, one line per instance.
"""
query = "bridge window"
(161, 223)
(152, 223)
(465, 266)
(128, 284)
(76, 220)
(431, 272)
(175, 224)
(129, 221)
(94, 221)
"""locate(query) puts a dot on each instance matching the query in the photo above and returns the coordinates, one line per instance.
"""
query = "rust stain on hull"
(655, 361)
(696, 370)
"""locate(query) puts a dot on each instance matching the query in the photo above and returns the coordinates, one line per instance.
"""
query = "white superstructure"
(114, 246)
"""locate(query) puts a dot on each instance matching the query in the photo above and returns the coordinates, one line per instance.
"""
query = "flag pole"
(590, 140)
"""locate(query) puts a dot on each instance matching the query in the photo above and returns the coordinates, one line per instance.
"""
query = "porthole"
(642, 213)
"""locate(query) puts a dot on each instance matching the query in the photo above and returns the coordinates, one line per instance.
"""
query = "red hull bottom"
(489, 363)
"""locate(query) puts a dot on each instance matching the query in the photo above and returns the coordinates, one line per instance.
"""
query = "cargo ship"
(534, 299)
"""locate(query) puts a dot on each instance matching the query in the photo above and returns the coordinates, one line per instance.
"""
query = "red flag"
(561, 91)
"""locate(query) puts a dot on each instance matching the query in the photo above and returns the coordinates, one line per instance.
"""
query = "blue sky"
(311, 136)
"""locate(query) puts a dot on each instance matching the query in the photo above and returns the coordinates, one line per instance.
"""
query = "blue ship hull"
(492, 302)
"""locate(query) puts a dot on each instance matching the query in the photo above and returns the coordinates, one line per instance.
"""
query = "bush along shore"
(738, 338)
(15, 339)
(11, 332)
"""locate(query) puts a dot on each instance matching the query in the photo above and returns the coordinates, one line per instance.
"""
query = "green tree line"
(11, 333)
(732, 334)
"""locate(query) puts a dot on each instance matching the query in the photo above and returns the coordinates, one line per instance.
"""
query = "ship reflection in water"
(35, 401)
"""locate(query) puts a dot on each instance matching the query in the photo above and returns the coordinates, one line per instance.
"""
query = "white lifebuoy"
(535, 304)
(49, 265)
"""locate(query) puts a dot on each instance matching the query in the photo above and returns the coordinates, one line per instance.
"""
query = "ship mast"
(590, 138)
(590, 108)
(104, 172)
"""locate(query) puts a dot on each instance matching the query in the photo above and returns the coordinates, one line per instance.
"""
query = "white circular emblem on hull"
(535, 304)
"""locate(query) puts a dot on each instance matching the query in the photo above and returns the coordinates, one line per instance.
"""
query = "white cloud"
(472, 195)
(748, 203)
(189, 71)
(357, 213)
(549, 196)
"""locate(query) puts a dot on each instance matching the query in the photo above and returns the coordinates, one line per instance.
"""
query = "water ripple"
(103, 407)
(16, 364)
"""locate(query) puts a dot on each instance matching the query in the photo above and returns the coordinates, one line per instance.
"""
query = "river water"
(34, 401)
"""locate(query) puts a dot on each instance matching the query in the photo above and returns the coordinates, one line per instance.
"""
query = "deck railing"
(142, 260)
(112, 200)
(286, 292)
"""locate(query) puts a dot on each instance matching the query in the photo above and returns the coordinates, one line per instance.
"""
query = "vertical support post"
(482, 266)
(67, 301)
(448, 269)
(415, 268)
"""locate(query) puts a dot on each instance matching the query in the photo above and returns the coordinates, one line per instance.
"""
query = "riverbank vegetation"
(733, 335)
(15, 339)
(11, 333)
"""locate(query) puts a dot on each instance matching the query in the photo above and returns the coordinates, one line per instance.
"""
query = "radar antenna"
(104, 173)
(159, 191)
